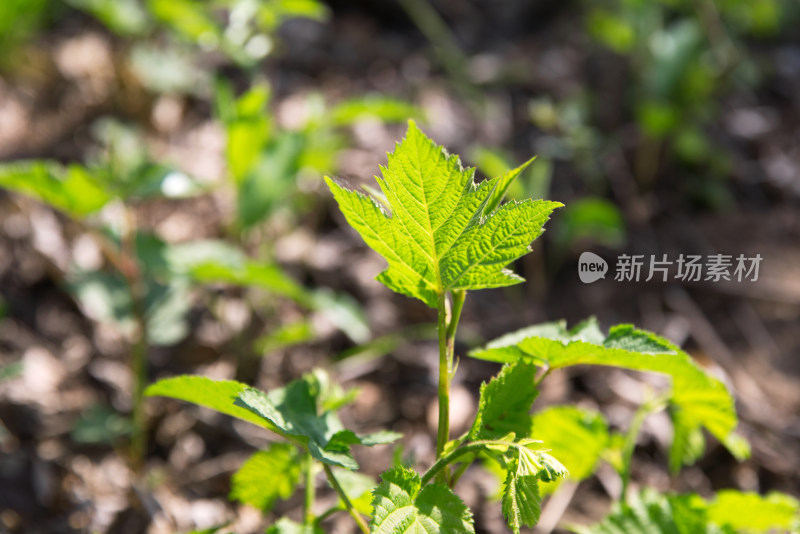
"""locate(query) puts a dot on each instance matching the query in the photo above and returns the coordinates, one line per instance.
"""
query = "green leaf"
(271, 179)
(750, 512)
(293, 410)
(522, 504)
(697, 398)
(401, 507)
(71, 189)
(729, 512)
(577, 437)
(438, 237)
(379, 107)
(505, 403)
(247, 128)
(592, 220)
(524, 471)
(187, 18)
(100, 424)
(218, 395)
(217, 261)
(287, 526)
(503, 183)
(344, 312)
(651, 513)
(125, 17)
(105, 297)
(267, 476)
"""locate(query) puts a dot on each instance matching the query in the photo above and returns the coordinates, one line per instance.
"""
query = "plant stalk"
(350, 508)
(447, 325)
(443, 433)
(131, 271)
(308, 503)
(455, 454)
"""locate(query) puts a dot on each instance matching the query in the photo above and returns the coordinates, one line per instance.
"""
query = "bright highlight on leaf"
(401, 507)
(444, 231)
(697, 400)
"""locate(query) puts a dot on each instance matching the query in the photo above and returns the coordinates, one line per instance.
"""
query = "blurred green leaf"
(247, 127)
(189, 19)
(577, 437)
(595, 220)
(125, 17)
(218, 261)
(657, 119)
(284, 336)
(750, 512)
(691, 145)
(166, 309)
(71, 189)
(379, 107)
(271, 14)
(19, 19)
(167, 69)
(343, 312)
(612, 30)
(285, 525)
(100, 424)
(268, 475)
(273, 178)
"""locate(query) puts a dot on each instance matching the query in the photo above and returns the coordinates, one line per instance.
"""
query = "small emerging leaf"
(522, 504)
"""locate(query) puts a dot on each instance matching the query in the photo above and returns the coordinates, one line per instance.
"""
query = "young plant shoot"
(442, 235)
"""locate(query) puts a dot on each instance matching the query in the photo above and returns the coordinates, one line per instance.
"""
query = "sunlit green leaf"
(402, 506)
(438, 237)
(697, 398)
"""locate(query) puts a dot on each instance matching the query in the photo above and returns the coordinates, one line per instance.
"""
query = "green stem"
(458, 304)
(308, 503)
(349, 505)
(452, 456)
(443, 434)
(447, 325)
(131, 271)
